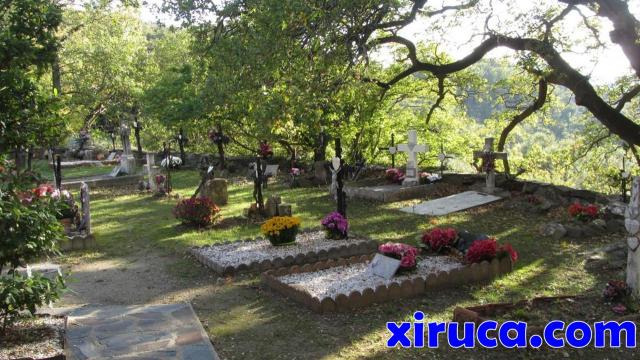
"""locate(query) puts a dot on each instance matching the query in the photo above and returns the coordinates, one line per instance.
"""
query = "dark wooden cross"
(112, 134)
(258, 178)
(220, 139)
(338, 165)
(167, 155)
(137, 127)
(57, 171)
(182, 141)
(392, 150)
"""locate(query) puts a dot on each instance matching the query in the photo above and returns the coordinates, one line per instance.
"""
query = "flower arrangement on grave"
(335, 226)
(61, 201)
(197, 211)
(171, 161)
(488, 163)
(281, 230)
(160, 179)
(533, 200)
(394, 176)
(295, 174)
(616, 290)
(440, 239)
(264, 150)
(584, 213)
(218, 137)
(407, 255)
(489, 249)
(428, 178)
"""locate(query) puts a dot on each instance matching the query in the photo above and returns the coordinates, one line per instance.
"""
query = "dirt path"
(145, 278)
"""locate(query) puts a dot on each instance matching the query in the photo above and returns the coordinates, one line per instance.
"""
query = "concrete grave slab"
(450, 204)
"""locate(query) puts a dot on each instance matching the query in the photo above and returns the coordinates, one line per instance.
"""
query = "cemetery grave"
(260, 255)
(347, 284)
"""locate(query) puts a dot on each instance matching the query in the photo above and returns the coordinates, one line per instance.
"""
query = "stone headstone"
(284, 210)
(272, 205)
(216, 190)
(412, 148)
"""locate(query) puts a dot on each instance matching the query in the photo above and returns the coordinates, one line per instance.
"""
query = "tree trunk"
(537, 105)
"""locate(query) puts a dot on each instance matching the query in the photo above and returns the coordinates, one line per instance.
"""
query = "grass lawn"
(247, 321)
(45, 169)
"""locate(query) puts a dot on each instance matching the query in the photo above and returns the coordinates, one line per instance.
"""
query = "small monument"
(632, 224)
(127, 162)
(412, 148)
(488, 164)
(151, 173)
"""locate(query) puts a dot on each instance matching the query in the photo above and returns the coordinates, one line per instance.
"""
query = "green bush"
(28, 230)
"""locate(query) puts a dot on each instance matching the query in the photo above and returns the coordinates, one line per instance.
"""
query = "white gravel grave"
(346, 279)
(246, 252)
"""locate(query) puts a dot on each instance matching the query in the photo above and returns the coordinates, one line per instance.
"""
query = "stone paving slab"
(450, 204)
(136, 332)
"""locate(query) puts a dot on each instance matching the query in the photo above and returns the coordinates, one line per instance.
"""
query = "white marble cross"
(632, 224)
(488, 164)
(412, 148)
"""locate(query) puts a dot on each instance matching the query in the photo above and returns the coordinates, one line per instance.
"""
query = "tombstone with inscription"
(412, 148)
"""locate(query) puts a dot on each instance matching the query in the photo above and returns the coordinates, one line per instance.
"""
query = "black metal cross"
(136, 131)
(392, 150)
(182, 141)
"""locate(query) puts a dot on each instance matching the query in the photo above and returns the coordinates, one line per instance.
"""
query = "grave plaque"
(384, 266)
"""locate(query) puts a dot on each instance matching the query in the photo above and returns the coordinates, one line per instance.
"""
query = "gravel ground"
(39, 337)
(345, 279)
(238, 253)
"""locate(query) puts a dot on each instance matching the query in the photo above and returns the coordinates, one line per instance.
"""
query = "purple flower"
(335, 221)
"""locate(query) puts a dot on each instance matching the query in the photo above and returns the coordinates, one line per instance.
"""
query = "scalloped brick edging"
(474, 273)
(368, 246)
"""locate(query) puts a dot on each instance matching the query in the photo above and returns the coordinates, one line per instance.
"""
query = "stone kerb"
(474, 273)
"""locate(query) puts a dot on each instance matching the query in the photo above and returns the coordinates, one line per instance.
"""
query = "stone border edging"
(366, 247)
(474, 273)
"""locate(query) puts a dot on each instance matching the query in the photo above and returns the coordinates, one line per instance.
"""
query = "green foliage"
(28, 230)
(27, 111)
(20, 293)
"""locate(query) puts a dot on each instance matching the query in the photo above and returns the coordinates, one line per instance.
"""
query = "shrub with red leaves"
(440, 239)
(196, 211)
(584, 212)
(394, 176)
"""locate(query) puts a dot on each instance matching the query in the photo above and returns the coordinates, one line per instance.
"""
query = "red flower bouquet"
(407, 255)
(394, 176)
(196, 211)
(584, 212)
(489, 249)
(440, 239)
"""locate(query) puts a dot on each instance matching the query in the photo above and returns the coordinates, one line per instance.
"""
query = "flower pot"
(333, 234)
(285, 237)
